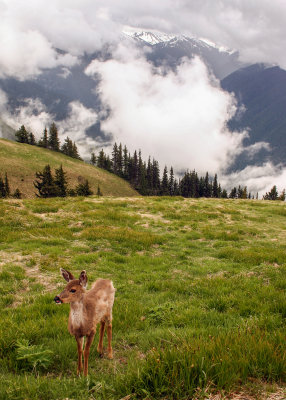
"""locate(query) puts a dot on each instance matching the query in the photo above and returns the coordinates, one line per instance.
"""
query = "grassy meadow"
(200, 304)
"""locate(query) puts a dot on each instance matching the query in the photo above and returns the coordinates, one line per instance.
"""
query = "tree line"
(145, 177)
(49, 140)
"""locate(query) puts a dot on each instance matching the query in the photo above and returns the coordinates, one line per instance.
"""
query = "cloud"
(74, 126)
(178, 117)
(32, 114)
(258, 179)
(30, 31)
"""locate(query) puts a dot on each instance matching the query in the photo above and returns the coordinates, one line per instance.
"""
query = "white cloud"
(74, 126)
(178, 117)
(258, 179)
(31, 30)
(33, 115)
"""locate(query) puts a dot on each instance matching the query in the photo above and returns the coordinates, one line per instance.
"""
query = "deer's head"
(74, 289)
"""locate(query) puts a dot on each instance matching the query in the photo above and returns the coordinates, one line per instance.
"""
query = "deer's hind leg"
(101, 334)
(88, 343)
(109, 337)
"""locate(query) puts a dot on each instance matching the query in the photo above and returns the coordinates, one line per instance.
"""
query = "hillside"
(262, 91)
(200, 303)
(21, 161)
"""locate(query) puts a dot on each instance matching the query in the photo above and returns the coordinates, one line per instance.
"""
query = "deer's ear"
(83, 279)
(67, 275)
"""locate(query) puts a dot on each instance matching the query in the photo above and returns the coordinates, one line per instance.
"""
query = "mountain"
(170, 49)
(6, 131)
(261, 95)
(21, 161)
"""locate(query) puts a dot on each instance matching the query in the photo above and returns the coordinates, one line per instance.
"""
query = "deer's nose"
(57, 300)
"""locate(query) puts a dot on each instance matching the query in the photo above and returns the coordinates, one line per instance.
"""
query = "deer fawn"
(87, 309)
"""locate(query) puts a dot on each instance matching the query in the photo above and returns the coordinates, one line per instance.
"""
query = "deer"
(88, 308)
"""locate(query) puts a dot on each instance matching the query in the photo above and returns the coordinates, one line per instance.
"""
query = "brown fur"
(87, 309)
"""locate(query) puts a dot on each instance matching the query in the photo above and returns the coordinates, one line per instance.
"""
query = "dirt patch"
(13, 258)
(157, 217)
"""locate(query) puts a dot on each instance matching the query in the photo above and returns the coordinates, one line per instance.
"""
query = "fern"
(34, 355)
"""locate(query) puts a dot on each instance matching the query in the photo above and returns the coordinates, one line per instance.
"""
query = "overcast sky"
(185, 111)
(31, 29)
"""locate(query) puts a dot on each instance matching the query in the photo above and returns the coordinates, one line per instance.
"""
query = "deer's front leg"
(79, 342)
(89, 340)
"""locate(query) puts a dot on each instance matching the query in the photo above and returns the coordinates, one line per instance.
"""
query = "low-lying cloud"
(177, 117)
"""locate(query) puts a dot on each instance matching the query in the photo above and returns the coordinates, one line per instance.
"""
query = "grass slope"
(200, 303)
(21, 161)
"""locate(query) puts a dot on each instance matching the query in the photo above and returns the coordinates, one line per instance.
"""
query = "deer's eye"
(73, 290)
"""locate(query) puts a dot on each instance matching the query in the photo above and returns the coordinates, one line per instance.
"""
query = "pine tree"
(171, 182)
(22, 135)
(99, 193)
(208, 187)
(83, 189)
(149, 177)
(224, 194)
(282, 195)
(93, 158)
(67, 147)
(156, 177)
(272, 195)
(233, 193)
(115, 159)
(43, 142)
(61, 182)
(6, 185)
(165, 183)
(31, 139)
(2, 188)
(17, 194)
(101, 159)
(75, 153)
(215, 187)
(125, 163)
(53, 141)
(45, 183)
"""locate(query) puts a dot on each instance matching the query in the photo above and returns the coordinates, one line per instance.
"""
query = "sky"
(166, 114)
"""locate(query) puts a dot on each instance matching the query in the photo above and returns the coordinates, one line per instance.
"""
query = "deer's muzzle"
(57, 300)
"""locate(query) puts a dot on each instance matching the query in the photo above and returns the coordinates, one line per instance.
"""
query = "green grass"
(21, 161)
(200, 302)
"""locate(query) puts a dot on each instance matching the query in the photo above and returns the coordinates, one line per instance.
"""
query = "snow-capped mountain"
(170, 49)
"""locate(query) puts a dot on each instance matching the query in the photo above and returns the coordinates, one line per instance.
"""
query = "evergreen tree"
(53, 141)
(125, 164)
(149, 177)
(215, 187)
(61, 182)
(75, 153)
(224, 194)
(6, 185)
(99, 193)
(67, 147)
(22, 135)
(43, 142)
(45, 183)
(83, 189)
(165, 183)
(2, 188)
(101, 159)
(171, 182)
(17, 194)
(156, 177)
(31, 139)
(115, 158)
(207, 186)
(233, 193)
(272, 195)
(282, 195)
(93, 158)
